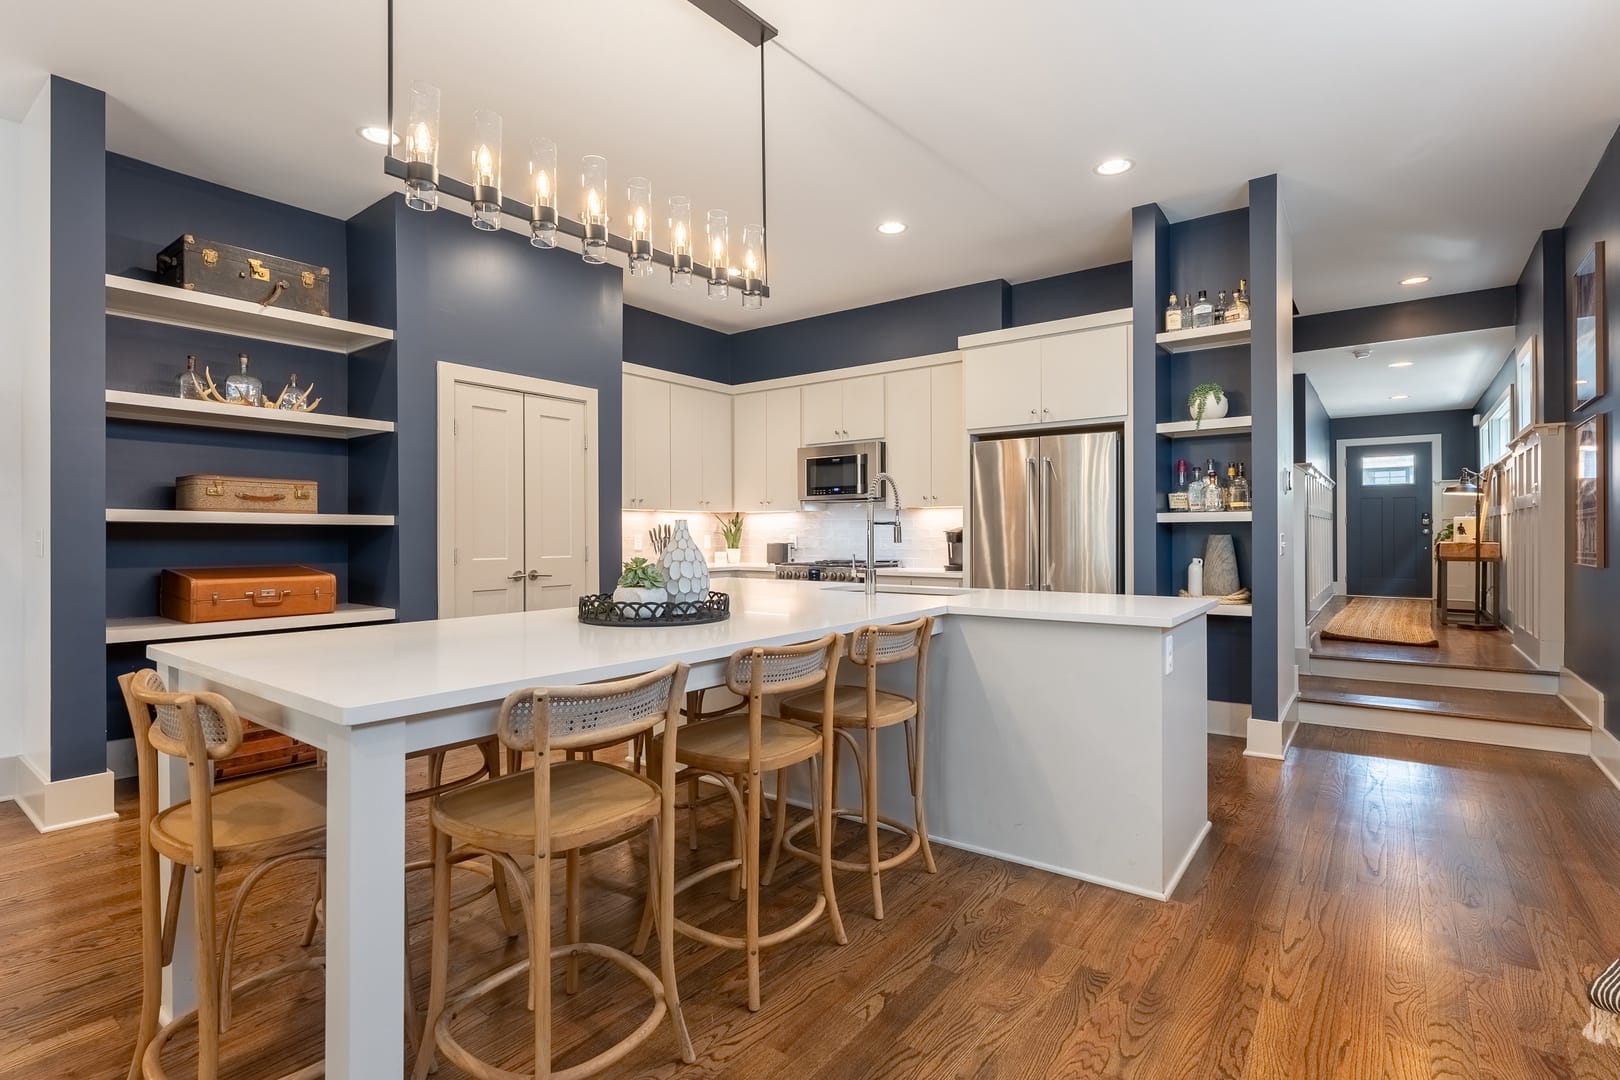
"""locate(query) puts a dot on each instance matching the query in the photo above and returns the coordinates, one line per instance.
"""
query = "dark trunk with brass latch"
(227, 270)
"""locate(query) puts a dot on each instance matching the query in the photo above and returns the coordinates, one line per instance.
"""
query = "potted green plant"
(731, 531)
(641, 583)
(1206, 402)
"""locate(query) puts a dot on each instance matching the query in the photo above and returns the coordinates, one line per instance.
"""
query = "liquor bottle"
(1239, 311)
(1181, 475)
(1212, 490)
(1195, 493)
(291, 396)
(1172, 314)
(242, 388)
(1186, 311)
(1203, 311)
(1220, 309)
(1241, 499)
(191, 387)
(1229, 492)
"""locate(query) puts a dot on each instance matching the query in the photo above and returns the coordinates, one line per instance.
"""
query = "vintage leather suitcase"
(206, 491)
(216, 594)
(227, 270)
(262, 751)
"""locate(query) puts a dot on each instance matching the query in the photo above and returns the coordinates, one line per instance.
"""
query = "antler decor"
(300, 403)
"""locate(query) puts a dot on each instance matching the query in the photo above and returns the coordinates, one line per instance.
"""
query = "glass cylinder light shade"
(486, 170)
(422, 148)
(753, 266)
(680, 241)
(543, 193)
(593, 211)
(638, 218)
(718, 254)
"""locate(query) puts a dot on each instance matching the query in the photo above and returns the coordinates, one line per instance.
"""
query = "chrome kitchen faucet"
(872, 500)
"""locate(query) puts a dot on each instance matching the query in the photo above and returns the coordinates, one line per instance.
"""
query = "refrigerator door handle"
(1030, 547)
(1046, 517)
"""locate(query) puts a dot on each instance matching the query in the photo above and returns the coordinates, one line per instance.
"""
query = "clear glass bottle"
(191, 387)
(1220, 308)
(1212, 490)
(1241, 499)
(242, 388)
(291, 396)
(1172, 314)
(1239, 311)
(1203, 311)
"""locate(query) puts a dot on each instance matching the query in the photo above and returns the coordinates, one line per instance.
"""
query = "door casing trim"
(1341, 561)
(449, 375)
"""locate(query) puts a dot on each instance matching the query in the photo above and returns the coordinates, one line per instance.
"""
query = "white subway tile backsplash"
(836, 532)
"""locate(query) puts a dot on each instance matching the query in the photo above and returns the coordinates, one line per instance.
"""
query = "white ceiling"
(1448, 371)
(1435, 137)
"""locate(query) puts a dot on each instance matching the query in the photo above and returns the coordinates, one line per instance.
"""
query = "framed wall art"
(1526, 387)
(1588, 301)
(1590, 504)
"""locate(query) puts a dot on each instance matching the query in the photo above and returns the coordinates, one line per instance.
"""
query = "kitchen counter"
(883, 571)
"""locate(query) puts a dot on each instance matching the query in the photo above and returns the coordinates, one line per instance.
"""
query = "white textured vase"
(686, 574)
(1214, 407)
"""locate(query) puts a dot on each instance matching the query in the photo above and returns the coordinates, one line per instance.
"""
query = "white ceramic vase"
(686, 574)
(1214, 407)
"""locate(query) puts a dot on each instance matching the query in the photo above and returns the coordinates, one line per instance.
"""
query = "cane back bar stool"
(264, 823)
(737, 749)
(870, 709)
(555, 808)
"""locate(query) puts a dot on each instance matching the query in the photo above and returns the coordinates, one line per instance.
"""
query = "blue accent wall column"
(1150, 545)
(1271, 357)
(78, 529)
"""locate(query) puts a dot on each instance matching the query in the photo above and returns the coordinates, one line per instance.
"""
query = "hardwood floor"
(1488, 650)
(1376, 906)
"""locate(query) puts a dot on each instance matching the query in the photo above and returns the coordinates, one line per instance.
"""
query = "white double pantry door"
(520, 501)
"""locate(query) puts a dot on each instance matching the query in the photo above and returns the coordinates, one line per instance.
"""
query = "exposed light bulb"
(680, 236)
(593, 203)
(484, 166)
(421, 142)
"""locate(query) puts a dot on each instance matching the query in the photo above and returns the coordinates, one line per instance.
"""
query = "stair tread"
(1540, 710)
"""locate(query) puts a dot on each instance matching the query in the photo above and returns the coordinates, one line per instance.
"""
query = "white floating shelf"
(1235, 611)
(156, 628)
(1208, 337)
(153, 408)
(1205, 517)
(151, 302)
(1226, 425)
(241, 517)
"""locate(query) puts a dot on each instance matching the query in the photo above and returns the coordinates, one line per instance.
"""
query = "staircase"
(1533, 720)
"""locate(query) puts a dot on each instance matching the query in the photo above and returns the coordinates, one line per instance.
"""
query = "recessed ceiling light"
(1397, 397)
(1401, 363)
(375, 133)
(892, 228)
(1415, 279)
(1114, 166)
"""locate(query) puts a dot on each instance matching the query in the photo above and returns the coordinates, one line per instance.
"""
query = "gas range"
(829, 570)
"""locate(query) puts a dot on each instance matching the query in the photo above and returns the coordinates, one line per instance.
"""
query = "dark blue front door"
(1388, 499)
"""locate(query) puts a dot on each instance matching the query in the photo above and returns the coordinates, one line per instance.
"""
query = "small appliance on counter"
(953, 549)
(776, 554)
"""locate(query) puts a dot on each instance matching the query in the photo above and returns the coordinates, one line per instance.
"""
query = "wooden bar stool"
(265, 822)
(552, 809)
(867, 708)
(737, 749)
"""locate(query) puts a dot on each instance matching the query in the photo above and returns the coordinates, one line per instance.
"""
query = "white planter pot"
(733, 556)
(1214, 407)
(626, 594)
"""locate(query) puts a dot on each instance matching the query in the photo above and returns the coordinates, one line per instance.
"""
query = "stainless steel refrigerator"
(1047, 512)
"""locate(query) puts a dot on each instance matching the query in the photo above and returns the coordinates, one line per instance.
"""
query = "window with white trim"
(1496, 429)
(1388, 470)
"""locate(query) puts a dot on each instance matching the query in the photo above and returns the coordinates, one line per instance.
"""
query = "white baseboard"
(8, 779)
(1606, 752)
(1582, 696)
(1229, 718)
(121, 758)
(61, 804)
(1270, 739)
(1456, 728)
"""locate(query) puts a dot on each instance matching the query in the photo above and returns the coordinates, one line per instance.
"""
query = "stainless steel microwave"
(839, 472)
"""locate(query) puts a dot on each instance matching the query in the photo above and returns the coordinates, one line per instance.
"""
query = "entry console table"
(1486, 613)
(1067, 732)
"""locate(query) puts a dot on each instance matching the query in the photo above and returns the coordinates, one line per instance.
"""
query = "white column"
(365, 902)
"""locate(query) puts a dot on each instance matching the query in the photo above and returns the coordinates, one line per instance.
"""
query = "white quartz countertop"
(365, 674)
(883, 572)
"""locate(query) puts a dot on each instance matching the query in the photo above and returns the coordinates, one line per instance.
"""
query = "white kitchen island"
(1065, 731)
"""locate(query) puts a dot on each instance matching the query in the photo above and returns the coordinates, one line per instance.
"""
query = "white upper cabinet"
(700, 449)
(925, 434)
(842, 410)
(765, 450)
(1058, 378)
(749, 427)
(715, 436)
(646, 443)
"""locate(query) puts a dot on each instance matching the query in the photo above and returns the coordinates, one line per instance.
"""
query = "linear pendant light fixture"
(419, 168)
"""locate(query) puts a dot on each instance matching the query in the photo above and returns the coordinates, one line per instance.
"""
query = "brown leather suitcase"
(246, 494)
(216, 594)
(228, 270)
(262, 751)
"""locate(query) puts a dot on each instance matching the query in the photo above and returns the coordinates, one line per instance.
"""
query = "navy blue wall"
(914, 326)
(672, 345)
(1084, 292)
(1312, 440)
(1592, 594)
(1459, 439)
(78, 235)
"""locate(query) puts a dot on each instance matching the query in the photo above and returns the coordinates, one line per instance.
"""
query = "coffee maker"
(953, 549)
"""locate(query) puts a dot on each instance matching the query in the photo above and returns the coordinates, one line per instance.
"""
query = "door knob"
(516, 575)
(535, 575)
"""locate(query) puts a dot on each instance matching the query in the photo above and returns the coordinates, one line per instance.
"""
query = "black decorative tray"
(603, 610)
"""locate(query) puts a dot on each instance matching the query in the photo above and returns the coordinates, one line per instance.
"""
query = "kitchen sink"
(912, 590)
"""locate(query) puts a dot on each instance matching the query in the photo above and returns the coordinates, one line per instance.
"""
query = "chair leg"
(511, 916)
(824, 839)
(750, 856)
(691, 814)
(439, 967)
(737, 842)
(571, 918)
(540, 958)
(151, 953)
(208, 1005)
(779, 825)
(171, 910)
(914, 754)
(869, 807)
(315, 912)
(661, 884)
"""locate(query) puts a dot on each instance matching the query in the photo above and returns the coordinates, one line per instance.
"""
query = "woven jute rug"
(1383, 621)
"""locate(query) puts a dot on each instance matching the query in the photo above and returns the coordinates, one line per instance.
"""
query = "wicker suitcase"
(205, 491)
(216, 594)
(227, 270)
